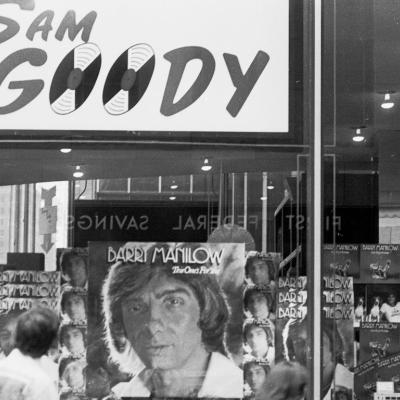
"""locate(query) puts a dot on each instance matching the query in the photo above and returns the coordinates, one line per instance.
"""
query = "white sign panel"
(176, 65)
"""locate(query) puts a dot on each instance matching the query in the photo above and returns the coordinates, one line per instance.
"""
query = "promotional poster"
(164, 321)
(291, 320)
(376, 370)
(341, 259)
(337, 334)
(379, 339)
(380, 263)
(19, 292)
(73, 266)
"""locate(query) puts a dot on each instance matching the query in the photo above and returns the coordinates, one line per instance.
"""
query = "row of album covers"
(188, 320)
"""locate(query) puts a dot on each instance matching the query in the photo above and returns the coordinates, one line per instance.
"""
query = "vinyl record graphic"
(128, 79)
(75, 78)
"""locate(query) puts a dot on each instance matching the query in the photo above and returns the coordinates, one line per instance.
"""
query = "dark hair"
(253, 290)
(126, 278)
(71, 293)
(66, 257)
(36, 330)
(66, 327)
(250, 364)
(267, 329)
(263, 257)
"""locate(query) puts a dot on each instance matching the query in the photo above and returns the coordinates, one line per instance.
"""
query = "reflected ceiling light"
(387, 102)
(358, 137)
(270, 186)
(172, 197)
(173, 186)
(65, 150)
(263, 198)
(78, 173)
(206, 166)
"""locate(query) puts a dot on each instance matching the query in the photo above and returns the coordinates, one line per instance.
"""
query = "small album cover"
(262, 269)
(73, 306)
(376, 370)
(383, 303)
(380, 263)
(341, 259)
(72, 262)
(255, 374)
(72, 340)
(259, 305)
(259, 342)
(379, 339)
(72, 373)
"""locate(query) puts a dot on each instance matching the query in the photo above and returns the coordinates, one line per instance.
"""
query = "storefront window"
(361, 248)
(156, 191)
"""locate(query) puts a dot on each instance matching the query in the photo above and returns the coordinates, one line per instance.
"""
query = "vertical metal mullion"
(317, 197)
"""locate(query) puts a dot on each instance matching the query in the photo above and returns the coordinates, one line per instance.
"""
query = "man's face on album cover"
(258, 305)
(77, 271)
(73, 340)
(255, 377)
(258, 341)
(75, 307)
(259, 272)
(161, 323)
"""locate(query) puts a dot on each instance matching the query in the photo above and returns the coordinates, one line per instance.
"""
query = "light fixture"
(387, 102)
(172, 197)
(206, 166)
(65, 150)
(358, 137)
(173, 186)
(270, 186)
(78, 173)
(263, 198)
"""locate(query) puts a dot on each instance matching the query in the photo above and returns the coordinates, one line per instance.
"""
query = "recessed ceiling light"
(206, 166)
(172, 197)
(387, 103)
(263, 198)
(78, 173)
(173, 186)
(65, 150)
(358, 137)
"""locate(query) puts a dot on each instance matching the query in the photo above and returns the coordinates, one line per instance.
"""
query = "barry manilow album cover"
(165, 320)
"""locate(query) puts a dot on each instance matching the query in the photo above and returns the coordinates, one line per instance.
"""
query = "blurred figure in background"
(22, 376)
(8, 322)
(286, 381)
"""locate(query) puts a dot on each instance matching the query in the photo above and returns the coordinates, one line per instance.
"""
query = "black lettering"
(12, 28)
(30, 88)
(244, 83)
(69, 24)
(42, 23)
(179, 59)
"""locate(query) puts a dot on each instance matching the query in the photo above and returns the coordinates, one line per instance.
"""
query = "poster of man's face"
(72, 337)
(259, 304)
(166, 317)
(73, 306)
(73, 265)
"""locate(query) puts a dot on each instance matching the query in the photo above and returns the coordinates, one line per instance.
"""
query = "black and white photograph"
(199, 199)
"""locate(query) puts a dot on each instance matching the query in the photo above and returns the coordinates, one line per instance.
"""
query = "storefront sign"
(157, 65)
